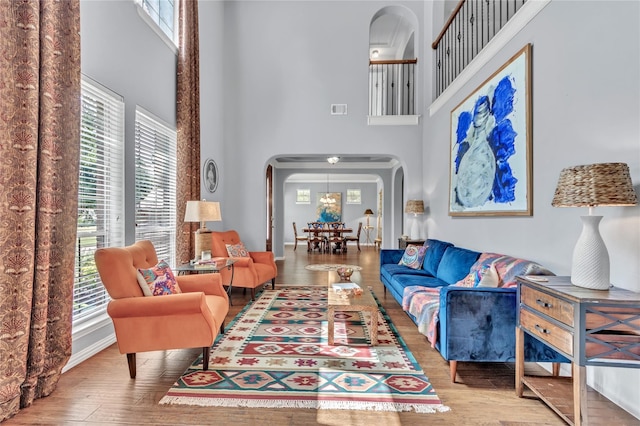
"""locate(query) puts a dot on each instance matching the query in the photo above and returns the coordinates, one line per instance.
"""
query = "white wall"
(586, 82)
(285, 64)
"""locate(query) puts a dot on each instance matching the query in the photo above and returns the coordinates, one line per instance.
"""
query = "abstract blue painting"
(491, 146)
(329, 212)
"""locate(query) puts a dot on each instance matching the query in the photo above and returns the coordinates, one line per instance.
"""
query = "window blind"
(100, 193)
(155, 187)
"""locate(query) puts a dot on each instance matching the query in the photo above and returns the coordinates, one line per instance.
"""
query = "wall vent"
(338, 109)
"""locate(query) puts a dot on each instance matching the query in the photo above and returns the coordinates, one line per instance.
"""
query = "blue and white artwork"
(490, 145)
(329, 212)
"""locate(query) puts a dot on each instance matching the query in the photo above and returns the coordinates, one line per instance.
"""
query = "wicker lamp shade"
(414, 207)
(604, 184)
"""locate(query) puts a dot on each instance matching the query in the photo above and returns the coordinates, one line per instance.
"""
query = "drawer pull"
(542, 330)
(543, 303)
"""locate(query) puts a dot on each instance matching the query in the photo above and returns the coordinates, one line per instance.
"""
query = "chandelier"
(327, 199)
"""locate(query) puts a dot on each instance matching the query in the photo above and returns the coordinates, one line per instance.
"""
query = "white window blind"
(163, 13)
(100, 193)
(155, 159)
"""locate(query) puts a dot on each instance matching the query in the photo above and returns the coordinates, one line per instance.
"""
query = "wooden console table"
(402, 243)
(590, 327)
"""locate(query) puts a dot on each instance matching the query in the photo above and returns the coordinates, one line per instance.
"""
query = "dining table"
(327, 233)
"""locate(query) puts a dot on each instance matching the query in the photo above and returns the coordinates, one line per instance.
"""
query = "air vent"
(338, 109)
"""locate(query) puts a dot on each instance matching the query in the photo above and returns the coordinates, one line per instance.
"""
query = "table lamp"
(368, 213)
(415, 207)
(604, 184)
(202, 211)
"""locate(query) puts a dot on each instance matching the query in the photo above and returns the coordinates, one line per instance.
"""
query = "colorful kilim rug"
(275, 354)
(325, 267)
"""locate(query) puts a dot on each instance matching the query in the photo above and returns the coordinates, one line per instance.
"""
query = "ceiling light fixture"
(327, 199)
(375, 53)
(333, 160)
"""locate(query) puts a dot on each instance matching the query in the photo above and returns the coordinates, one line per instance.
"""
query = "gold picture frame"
(490, 146)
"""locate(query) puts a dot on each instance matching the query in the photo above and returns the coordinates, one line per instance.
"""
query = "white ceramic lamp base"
(415, 229)
(590, 265)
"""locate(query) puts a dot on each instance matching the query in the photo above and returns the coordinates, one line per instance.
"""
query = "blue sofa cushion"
(415, 280)
(456, 263)
(390, 270)
(435, 250)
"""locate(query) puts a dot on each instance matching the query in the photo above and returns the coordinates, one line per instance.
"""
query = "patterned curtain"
(39, 151)
(188, 124)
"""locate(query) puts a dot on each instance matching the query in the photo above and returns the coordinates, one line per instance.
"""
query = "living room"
(270, 71)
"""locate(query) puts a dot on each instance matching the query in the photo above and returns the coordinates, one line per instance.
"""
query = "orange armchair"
(190, 319)
(249, 272)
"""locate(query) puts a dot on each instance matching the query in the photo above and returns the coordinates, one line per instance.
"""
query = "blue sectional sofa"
(475, 324)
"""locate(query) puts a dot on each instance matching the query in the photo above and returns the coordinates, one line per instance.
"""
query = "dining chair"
(316, 238)
(335, 238)
(298, 237)
(355, 238)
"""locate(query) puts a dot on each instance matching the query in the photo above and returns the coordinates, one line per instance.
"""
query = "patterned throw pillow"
(413, 256)
(237, 250)
(158, 280)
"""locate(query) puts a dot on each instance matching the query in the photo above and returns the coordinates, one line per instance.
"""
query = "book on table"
(345, 286)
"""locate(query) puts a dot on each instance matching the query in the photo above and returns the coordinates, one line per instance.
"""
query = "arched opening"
(392, 63)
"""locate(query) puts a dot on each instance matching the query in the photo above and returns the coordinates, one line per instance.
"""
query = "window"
(100, 193)
(161, 15)
(354, 196)
(155, 187)
(303, 196)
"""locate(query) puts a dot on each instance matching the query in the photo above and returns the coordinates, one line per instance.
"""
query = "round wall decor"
(210, 175)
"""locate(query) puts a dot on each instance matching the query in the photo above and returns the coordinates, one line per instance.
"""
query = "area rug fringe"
(317, 405)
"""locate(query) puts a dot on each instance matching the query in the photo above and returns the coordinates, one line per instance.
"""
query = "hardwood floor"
(100, 392)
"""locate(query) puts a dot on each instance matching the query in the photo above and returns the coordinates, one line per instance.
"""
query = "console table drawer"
(546, 304)
(546, 331)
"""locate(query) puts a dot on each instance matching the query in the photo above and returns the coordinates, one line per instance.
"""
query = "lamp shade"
(202, 211)
(414, 207)
(368, 211)
(604, 184)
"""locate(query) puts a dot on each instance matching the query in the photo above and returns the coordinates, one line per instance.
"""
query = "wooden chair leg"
(205, 357)
(295, 245)
(358, 245)
(453, 366)
(273, 283)
(131, 360)
(253, 293)
(222, 328)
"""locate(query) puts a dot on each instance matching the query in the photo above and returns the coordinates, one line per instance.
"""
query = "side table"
(367, 234)
(402, 243)
(590, 327)
(208, 268)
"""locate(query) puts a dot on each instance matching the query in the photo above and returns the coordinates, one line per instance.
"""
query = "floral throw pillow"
(237, 250)
(413, 256)
(158, 280)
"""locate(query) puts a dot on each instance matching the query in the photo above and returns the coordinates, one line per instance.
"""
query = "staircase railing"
(392, 87)
(472, 24)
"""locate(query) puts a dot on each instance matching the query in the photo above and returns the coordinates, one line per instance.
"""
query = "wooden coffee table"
(363, 303)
